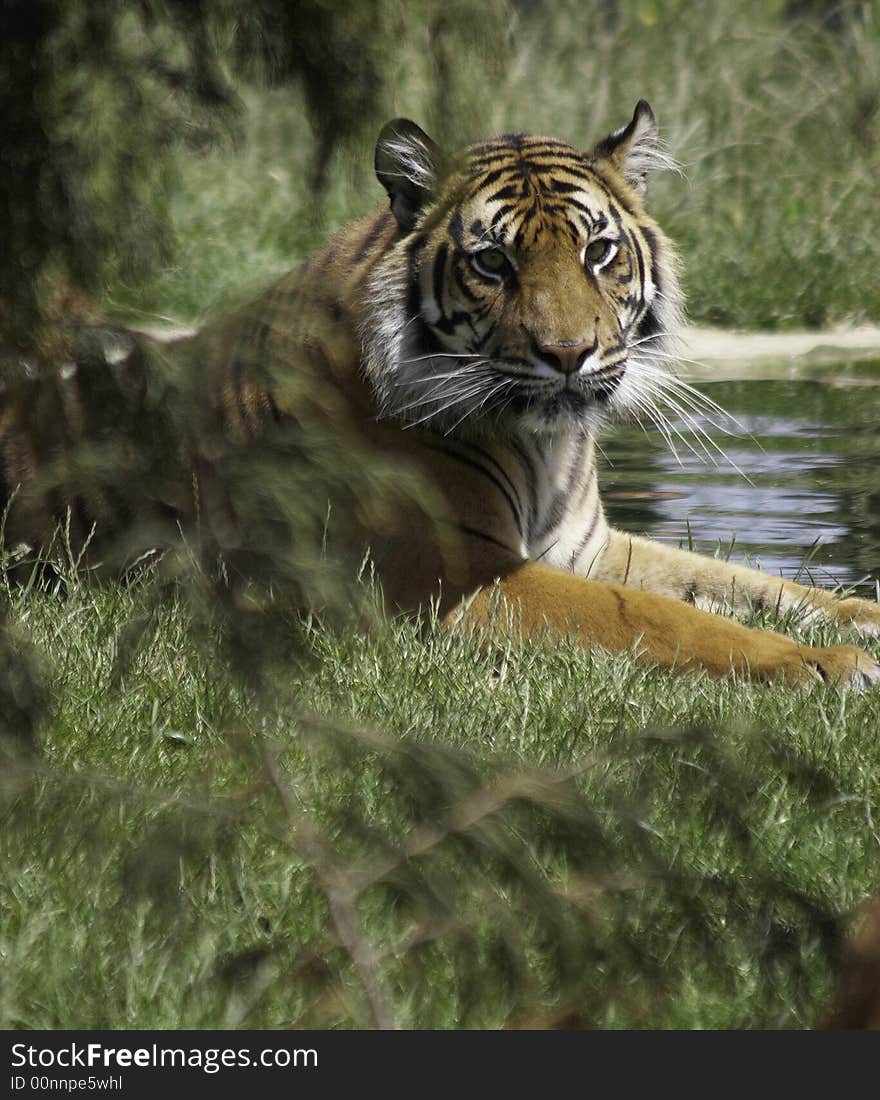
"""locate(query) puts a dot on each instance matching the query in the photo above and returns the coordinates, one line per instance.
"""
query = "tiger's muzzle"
(569, 356)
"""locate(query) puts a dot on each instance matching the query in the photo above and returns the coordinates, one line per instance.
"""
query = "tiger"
(481, 328)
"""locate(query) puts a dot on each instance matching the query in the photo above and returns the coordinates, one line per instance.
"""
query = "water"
(804, 502)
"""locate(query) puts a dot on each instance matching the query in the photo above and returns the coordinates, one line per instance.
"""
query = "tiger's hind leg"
(714, 585)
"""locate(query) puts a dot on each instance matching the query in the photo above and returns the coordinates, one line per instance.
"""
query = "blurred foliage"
(105, 432)
(96, 95)
(93, 97)
(23, 701)
(121, 464)
(335, 50)
(111, 111)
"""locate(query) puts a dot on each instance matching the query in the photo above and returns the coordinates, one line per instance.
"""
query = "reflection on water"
(796, 491)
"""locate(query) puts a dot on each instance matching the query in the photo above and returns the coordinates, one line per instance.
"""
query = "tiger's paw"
(857, 614)
(843, 665)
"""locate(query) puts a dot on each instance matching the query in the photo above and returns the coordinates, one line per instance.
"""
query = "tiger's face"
(529, 289)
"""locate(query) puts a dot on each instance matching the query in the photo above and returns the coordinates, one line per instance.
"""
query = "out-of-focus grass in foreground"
(411, 832)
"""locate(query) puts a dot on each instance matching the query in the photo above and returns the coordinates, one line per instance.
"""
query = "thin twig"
(338, 892)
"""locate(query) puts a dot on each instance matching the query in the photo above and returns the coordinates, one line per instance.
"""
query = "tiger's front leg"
(714, 585)
(661, 630)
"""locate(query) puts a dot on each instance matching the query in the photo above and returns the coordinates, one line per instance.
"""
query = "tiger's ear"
(635, 150)
(407, 164)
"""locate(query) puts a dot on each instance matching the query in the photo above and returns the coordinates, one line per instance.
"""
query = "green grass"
(407, 830)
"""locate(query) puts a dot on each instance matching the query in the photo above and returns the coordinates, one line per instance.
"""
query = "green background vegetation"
(775, 121)
(219, 816)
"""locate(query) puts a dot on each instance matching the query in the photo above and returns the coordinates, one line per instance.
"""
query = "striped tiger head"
(527, 287)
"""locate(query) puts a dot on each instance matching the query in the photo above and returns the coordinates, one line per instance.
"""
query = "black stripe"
(573, 232)
(588, 534)
(502, 213)
(552, 516)
(528, 142)
(577, 464)
(610, 192)
(438, 275)
(531, 473)
(493, 177)
(494, 461)
(585, 488)
(458, 275)
(651, 241)
(416, 244)
(485, 161)
(640, 263)
(564, 188)
(511, 191)
(374, 233)
(413, 297)
(449, 324)
(427, 339)
(488, 538)
(649, 324)
(549, 168)
(554, 210)
(589, 213)
(650, 237)
(474, 465)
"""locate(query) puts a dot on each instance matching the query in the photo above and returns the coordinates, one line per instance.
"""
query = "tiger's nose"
(569, 356)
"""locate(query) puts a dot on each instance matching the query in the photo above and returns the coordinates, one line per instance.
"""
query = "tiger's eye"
(490, 261)
(597, 251)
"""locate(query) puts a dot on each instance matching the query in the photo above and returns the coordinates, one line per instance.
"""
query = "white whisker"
(684, 399)
(653, 336)
(476, 409)
(451, 396)
(702, 438)
(453, 400)
(444, 355)
(444, 376)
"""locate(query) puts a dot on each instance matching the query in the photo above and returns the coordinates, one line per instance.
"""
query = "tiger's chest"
(538, 500)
